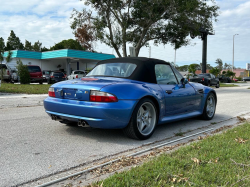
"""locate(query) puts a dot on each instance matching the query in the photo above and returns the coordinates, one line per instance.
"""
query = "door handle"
(169, 91)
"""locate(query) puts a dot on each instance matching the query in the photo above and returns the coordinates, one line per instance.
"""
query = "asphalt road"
(32, 145)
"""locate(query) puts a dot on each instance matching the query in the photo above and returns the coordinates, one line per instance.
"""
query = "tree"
(23, 72)
(215, 71)
(37, 46)
(85, 37)
(219, 63)
(67, 44)
(13, 42)
(230, 73)
(28, 46)
(1, 60)
(44, 49)
(9, 56)
(2, 46)
(117, 23)
(192, 68)
(183, 68)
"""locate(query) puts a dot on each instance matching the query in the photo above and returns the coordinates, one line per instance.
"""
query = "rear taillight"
(8, 73)
(76, 76)
(189, 80)
(51, 76)
(202, 79)
(97, 96)
(52, 92)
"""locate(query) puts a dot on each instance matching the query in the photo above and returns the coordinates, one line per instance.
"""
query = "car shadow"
(162, 131)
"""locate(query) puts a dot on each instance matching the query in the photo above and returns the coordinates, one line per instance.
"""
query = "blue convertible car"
(133, 94)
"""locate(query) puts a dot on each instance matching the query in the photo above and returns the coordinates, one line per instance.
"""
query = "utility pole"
(204, 33)
(174, 57)
(233, 53)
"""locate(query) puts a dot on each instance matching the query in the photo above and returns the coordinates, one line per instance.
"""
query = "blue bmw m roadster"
(133, 94)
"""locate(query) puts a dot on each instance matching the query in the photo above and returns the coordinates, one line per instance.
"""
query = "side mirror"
(183, 82)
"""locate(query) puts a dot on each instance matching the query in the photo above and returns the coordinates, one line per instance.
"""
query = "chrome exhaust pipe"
(55, 118)
(82, 123)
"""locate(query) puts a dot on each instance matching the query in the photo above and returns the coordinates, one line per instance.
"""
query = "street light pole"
(233, 52)
(174, 57)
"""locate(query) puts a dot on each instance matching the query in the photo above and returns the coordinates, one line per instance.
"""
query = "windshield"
(34, 69)
(58, 74)
(113, 70)
(46, 72)
(204, 75)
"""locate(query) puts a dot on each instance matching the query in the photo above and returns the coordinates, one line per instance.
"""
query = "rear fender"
(137, 91)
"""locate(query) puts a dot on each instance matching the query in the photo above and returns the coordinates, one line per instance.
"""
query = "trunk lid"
(79, 89)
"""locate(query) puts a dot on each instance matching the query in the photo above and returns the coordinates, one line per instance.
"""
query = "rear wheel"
(208, 84)
(217, 85)
(143, 121)
(41, 82)
(209, 108)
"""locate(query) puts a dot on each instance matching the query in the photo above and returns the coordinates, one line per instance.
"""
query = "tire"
(41, 82)
(143, 120)
(209, 108)
(208, 83)
(217, 85)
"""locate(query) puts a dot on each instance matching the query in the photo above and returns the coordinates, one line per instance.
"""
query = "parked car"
(207, 79)
(246, 78)
(46, 75)
(235, 80)
(77, 74)
(6, 72)
(14, 77)
(224, 78)
(56, 76)
(36, 74)
(127, 99)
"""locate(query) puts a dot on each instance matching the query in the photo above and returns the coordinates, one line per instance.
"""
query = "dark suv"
(56, 76)
(224, 78)
(36, 74)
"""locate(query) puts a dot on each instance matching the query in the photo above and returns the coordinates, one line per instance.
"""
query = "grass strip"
(219, 160)
(24, 88)
(227, 85)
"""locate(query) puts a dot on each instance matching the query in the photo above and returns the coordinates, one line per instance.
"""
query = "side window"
(178, 75)
(164, 74)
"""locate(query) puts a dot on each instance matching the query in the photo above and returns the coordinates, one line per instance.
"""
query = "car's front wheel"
(217, 85)
(143, 121)
(209, 108)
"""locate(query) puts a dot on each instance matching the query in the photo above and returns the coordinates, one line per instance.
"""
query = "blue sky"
(49, 22)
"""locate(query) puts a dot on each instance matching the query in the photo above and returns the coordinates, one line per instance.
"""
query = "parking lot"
(33, 146)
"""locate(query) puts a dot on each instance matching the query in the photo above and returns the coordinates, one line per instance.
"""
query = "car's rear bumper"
(98, 115)
(36, 79)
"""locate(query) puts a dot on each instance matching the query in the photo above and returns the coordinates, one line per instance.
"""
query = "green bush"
(23, 73)
(239, 78)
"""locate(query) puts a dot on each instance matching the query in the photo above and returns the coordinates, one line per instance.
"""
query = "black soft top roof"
(145, 70)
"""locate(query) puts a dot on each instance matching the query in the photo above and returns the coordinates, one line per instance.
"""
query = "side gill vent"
(201, 91)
